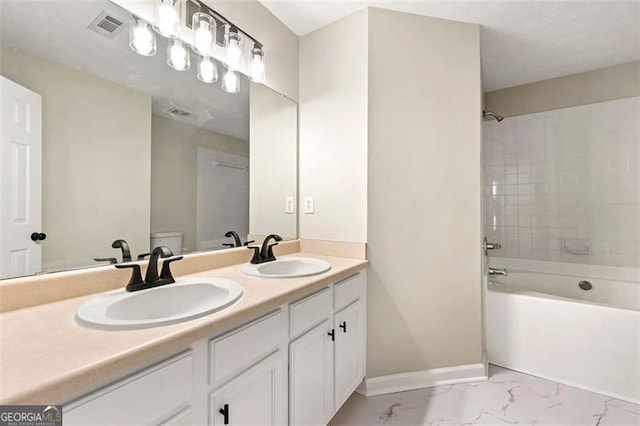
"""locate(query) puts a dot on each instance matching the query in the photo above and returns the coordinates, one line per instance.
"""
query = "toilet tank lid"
(170, 234)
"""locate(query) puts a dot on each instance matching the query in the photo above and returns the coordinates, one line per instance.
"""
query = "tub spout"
(497, 271)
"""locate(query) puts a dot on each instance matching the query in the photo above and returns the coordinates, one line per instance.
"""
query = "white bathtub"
(540, 322)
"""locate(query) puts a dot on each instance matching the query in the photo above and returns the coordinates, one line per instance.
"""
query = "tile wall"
(564, 185)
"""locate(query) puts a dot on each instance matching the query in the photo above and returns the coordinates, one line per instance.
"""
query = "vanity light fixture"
(178, 56)
(204, 27)
(231, 82)
(256, 66)
(233, 47)
(207, 70)
(166, 18)
(141, 39)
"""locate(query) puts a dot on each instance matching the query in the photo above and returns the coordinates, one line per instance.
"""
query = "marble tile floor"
(508, 397)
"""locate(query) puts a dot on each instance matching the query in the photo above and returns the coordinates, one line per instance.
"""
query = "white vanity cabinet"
(326, 362)
(311, 359)
(152, 396)
(296, 365)
(256, 397)
(248, 374)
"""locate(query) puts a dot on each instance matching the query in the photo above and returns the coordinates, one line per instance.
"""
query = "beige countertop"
(46, 357)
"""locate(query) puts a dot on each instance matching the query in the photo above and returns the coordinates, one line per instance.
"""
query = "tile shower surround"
(564, 185)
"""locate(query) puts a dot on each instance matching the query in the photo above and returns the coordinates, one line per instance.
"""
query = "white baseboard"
(423, 379)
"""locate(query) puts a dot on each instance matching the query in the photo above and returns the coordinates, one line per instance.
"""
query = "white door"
(311, 377)
(256, 397)
(349, 351)
(20, 180)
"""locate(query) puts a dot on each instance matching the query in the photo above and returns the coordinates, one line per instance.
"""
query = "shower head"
(493, 115)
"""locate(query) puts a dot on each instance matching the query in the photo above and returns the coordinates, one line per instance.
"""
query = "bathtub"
(539, 321)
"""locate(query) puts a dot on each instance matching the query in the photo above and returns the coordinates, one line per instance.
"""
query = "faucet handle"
(165, 274)
(270, 255)
(111, 260)
(136, 275)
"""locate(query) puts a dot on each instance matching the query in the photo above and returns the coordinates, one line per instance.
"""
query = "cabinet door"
(349, 351)
(256, 397)
(311, 377)
(142, 398)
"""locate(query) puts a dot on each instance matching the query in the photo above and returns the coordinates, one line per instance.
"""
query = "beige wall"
(174, 173)
(424, 220)
(96, 165)
(333, 130)
(274, 159)
(605, 84)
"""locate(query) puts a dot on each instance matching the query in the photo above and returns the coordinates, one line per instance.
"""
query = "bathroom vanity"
(290, 351)
(262, 372)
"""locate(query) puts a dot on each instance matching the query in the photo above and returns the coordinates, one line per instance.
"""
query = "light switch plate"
(289, 205)
(308, 204)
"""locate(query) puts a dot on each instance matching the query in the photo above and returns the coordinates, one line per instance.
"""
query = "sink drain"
(585, 285)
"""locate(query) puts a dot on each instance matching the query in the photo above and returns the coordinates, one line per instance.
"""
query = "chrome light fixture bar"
(213, 37)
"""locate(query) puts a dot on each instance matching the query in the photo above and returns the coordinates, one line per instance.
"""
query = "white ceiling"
(57, 30)
(522, 41)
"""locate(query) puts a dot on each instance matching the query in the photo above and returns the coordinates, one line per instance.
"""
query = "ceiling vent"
(107, 25)
(177, 112)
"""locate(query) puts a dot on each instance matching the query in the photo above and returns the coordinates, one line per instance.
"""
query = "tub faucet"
(498, 271)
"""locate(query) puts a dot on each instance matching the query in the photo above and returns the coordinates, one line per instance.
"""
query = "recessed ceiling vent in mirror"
(176, 112)
(107, 25)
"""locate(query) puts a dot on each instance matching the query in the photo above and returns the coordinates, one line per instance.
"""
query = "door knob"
(38, 236)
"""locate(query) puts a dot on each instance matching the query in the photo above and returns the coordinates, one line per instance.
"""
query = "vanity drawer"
(348, 290)
(240, 349)
(310, 311)
(143, 398)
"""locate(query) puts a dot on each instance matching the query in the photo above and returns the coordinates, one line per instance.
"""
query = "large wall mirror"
(100, 144)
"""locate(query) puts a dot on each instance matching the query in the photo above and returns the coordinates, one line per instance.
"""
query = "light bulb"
(207, 70)
(141, 39)
(204, 26)
(233, 53)
(231, 82)
(167, 18)
(178, 56)
(256, 67)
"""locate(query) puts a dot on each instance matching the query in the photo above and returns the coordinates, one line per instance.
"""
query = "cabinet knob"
(343, 326)
(225, 413)
(332, 333)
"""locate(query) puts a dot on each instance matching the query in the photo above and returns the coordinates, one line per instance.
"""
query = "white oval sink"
(186, 299)
(287, 267)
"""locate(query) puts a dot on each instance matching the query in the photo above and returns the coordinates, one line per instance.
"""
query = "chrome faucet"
(498, 271)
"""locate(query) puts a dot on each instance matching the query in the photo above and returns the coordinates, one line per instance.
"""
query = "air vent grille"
(107, 25)
(177, 112)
